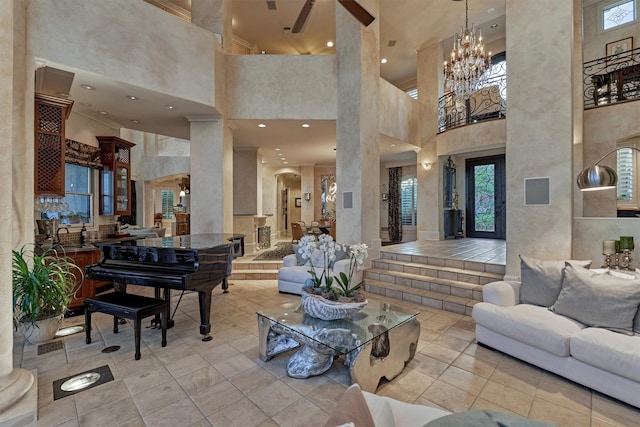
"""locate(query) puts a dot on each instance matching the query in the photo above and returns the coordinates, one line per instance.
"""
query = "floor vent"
(50, 346)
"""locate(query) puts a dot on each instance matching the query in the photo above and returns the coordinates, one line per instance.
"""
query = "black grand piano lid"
(189, 241)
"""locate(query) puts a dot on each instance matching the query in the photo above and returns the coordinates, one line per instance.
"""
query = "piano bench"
(127, 306)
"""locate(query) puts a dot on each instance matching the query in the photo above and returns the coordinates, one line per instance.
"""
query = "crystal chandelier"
(468, 60)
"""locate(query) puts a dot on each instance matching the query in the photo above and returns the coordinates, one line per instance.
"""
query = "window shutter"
(625, 174)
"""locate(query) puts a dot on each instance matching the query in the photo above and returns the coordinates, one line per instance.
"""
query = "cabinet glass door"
(122, 184)
(107, 192)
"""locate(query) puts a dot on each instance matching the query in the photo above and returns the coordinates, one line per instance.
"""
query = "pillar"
(357, 129)
(17, 405)
(540, 127)
(211, 176)
(429, 79)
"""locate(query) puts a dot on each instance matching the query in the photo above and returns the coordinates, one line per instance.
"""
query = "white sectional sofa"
(588, 334)
(294, 272)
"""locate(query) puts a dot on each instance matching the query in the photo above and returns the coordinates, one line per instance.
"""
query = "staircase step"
(443, 272)
(441, 261)
(254, 275)
(435, 284)
(437, 300)
(256, 265)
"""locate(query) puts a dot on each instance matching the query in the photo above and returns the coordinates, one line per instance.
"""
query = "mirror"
(329, 193)
(449, 183)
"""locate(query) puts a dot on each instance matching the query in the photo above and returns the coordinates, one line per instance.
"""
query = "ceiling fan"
(352, 6)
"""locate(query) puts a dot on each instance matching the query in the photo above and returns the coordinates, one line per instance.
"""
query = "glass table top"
(370, 322)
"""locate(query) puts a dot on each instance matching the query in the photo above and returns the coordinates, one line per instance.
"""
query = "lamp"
(468, 60)
(182, 193)
(426, 165)
(599, 177)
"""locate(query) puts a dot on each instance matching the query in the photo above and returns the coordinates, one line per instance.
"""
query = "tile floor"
(487, 251)
(224, 383)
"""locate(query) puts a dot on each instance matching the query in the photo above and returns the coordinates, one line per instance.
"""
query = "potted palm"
(44, 284)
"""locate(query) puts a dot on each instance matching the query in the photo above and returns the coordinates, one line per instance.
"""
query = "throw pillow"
(484, 418)
(541, 280)
(299, 259)
(341, 254)
(630, 275)
(317, 258)
(598, 300)
(351, 408)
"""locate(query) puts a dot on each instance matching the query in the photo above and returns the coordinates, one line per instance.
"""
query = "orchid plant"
(326, 244)
(357, 255)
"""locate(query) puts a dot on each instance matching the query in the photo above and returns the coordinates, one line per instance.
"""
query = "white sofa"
(598, 358)
(291, 276)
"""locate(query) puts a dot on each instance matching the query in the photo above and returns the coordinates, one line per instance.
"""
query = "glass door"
(486, 207)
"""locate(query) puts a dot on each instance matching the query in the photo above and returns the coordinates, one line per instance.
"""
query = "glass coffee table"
(378, 341)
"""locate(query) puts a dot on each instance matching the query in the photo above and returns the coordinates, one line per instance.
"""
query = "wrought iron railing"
(489, 101)
(612, 79)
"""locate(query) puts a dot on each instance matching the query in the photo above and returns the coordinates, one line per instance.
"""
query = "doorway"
(486, 204)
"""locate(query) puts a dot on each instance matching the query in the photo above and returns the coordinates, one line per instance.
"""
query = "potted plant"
(326, 297)
(44, 284)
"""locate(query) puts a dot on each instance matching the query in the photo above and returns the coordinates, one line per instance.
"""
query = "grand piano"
(197, 262)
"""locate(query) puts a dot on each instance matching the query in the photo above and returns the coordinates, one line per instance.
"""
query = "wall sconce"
(426, 165)
(182, 193)
(384, 197)
(307, 196)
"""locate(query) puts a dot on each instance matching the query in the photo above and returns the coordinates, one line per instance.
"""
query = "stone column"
(16, 406)
(429, 78)
(357, 130)
(540, 127)
(211, 176)
(306, 186)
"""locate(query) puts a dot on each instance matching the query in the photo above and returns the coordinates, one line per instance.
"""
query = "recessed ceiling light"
(283, 158)
(170, 107)
(393, 145)
(286, 163)
(329, 43)
(277, 149)
(383, 60)
(262, 125)
(104, 113)
(305, 125)
(132, 97)
(135, 121)
(88, 87)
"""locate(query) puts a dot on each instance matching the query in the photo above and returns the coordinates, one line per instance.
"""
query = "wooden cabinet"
(182, 224)
(88, 287)
(50, 114)
(115, 179)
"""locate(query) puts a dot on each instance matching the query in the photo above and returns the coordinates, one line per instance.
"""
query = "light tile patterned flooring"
(224, 383)
(488, 251)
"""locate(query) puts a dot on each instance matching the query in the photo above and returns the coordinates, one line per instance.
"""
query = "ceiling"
(410, 23)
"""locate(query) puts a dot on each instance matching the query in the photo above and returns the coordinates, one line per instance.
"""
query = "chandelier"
(468, 60)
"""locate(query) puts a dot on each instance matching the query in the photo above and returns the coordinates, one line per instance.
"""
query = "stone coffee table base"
(384, 356)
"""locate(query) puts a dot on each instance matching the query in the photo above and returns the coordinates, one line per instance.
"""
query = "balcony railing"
(489, 101)
(612, 79)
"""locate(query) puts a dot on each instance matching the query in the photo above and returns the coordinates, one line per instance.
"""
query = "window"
(167, 203)
(626, 187)
(77, 204)
(409, 200)
(619, 13)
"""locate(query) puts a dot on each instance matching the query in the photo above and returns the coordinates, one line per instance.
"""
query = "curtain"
(81, 154)
(395, 205)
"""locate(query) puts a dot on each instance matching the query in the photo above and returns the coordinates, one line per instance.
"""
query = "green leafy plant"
(44, 284)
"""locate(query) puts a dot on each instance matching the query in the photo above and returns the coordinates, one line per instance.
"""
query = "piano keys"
(197, 262)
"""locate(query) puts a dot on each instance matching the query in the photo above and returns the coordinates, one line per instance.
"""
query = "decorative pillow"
(341, 254)
(351, 408)
(299, 259)
(317, 258)
(484, 418)
(541, 280)
(630, 275)
(598, 300)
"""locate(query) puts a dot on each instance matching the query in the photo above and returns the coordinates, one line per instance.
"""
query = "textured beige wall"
(126, 41)
(280, 86)
(395, 111)
(245, 182)
(595, 40)
(539, 127)
(588, 234)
